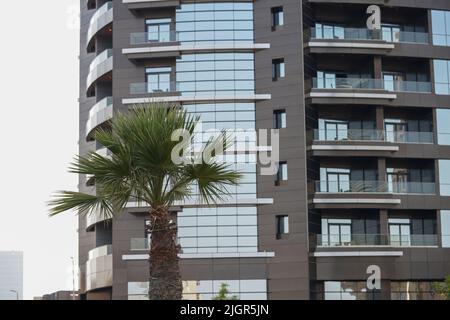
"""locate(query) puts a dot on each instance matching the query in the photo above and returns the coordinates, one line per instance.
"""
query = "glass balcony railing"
(371, 84)
(100, 106)
(139, 244)
(348, 134)
(153, 37)
(100, 252)
(412, 187)
(348, 240)
(375, 187)
(103, 9)
(341, 33)
(347, 83)
(409, 137)
(407, 86)
(100, 58)
(373, 135)
(153, 87)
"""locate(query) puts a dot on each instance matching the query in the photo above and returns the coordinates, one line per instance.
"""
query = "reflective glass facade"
(223, 229)
(445, 228)
(251, 289)
(444, 177)
(215, 22)
(442, 76)
(441, 27)
(212, 73)
(443, 127)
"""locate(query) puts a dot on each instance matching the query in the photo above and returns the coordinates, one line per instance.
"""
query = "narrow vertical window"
(282, 225)
(277, 17)
(278, 69)
(282, 174)
(279, 118)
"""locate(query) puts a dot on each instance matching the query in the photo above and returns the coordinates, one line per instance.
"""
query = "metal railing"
(348, 240)
(375, 187)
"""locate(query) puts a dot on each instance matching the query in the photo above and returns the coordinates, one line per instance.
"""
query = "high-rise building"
(360, 93)
(11, 275)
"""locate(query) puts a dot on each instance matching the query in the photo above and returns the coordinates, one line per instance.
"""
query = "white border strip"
(359, 254)
(355, 148)
(351, 95)
(356, 201)
(353, 45)
(250, 97)
(197, 47)
(136, 257)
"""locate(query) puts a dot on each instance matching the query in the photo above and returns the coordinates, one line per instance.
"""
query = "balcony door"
(339, 233)
(336, 130)
(158, 30)
(400, 232)
(158, 79)
(391, 33)
(397, 180)
(393, 81)
(338, 180)
(396, 130)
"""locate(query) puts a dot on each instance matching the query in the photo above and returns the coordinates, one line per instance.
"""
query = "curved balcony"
(99, 268)
(150, 4)
(99, 114)
(94, 218)
(99, 67)
(100, 19)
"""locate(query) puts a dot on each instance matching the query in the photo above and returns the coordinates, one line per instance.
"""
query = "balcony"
(360, 40)
(100, 113)
(99, 68)
(367, 194)
(149, 4)
(372, 91)
(100, 19)
(372, 240)
(94, 218)
(394, 187)
(347, 141)
(178, 92)
(146, 45)
(99, 268)
(366, 142)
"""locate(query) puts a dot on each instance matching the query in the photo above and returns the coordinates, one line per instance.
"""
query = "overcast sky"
(39, 135)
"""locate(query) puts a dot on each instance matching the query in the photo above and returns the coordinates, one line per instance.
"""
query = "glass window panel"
(445, 228)
(444, 177)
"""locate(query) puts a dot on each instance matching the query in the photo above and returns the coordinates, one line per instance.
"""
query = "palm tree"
(140, 169)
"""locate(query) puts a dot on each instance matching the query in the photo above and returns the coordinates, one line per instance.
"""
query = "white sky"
(39, 134)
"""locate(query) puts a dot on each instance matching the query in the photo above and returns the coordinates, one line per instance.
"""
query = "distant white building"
(11, 275)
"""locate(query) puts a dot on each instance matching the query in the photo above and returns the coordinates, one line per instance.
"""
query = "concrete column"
(382, 169)
(384, 223)
(385, 288)
(380, 118)
(439, 228)
(377, 67)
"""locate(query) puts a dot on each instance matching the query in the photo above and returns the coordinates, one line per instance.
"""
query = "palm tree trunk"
(165, 276)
